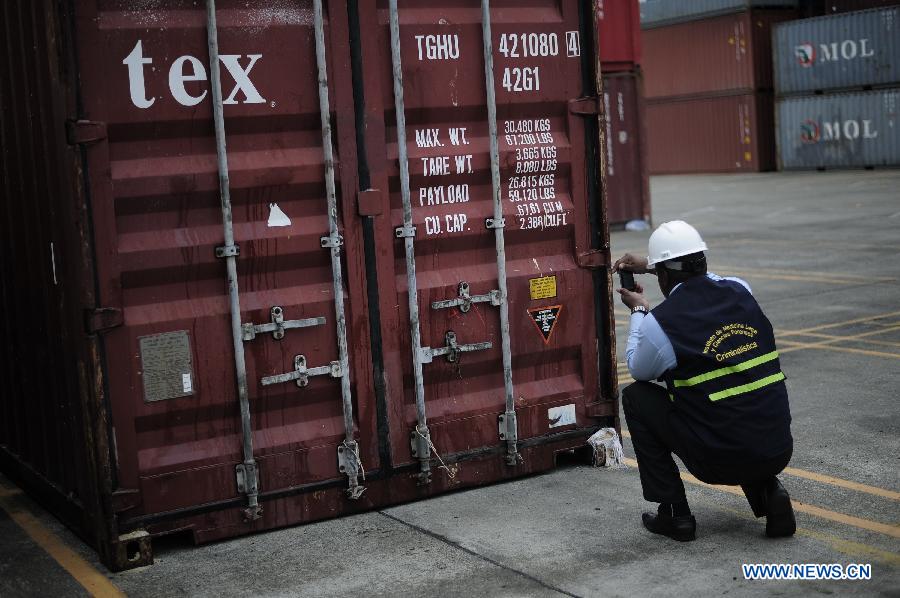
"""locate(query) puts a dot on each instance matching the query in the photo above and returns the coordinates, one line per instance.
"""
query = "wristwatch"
(639, 309)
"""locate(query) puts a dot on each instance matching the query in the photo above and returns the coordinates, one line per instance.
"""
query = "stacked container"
(837, 80)
(708, 84)
(625, 162)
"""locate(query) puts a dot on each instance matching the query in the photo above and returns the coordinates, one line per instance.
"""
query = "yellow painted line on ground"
(802, 242)
(870, 341)
(853, 350)
(844, 323)
(827, 479)
(844, 546)
(828, 343)
(850, 548)
(84, 573)
(841, 277)
(858, 522)
(795, 346)
(789, 277)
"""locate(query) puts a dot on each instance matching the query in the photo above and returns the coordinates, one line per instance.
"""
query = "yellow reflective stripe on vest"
(731, 369)
(737, 390)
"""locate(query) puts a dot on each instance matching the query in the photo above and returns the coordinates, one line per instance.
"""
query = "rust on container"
(538, 71)
(713, 134)
(619, 34)
(120, 255)
(628, 195)
(715, 55)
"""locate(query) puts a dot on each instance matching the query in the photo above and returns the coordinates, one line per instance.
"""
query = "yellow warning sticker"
(543, 287)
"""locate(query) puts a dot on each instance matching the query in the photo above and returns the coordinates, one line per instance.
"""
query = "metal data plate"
(166, 361)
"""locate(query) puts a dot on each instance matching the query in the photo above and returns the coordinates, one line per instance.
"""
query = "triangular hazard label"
(545, 319)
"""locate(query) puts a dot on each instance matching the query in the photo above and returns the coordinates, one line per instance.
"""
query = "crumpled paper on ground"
(607, 449)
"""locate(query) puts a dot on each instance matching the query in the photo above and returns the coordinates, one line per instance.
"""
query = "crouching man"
(724, 408)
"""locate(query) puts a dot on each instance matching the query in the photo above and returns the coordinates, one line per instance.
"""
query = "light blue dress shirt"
(649, 353)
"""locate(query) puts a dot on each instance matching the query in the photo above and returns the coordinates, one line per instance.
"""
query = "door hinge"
(587, 106)
(84, 131)
(368, 202)
(592, 260)
(101, 319)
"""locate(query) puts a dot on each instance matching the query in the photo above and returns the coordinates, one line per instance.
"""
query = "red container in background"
(712, 134)
(627, 185)
(620, 34)
(721, 54)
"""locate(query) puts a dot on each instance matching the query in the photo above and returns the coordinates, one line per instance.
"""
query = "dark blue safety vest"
(727, 385)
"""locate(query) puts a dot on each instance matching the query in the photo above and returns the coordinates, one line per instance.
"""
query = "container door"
(557, 297)
(154, 187)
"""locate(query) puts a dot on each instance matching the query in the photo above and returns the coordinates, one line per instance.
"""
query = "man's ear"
(663, 277)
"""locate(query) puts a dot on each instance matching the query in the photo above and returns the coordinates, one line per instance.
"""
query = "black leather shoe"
(780, 520)
(682, 528)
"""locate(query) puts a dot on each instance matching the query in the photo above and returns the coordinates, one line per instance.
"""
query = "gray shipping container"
(849, 50)
(846, 130)
(656, 13)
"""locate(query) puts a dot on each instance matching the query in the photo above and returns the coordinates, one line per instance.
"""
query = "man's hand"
(632, 263)
(635, 297)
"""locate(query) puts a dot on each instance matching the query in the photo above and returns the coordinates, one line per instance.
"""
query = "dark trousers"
(658, 431)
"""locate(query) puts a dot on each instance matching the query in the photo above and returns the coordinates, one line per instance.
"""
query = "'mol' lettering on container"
(849, 49)
(842, 51)
(813, 132)
(186, 69)
(843, 130)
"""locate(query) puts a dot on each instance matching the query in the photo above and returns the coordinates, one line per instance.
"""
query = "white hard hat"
(673, 239)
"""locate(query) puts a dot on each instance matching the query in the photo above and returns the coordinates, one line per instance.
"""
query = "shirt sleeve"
(740, 281)
(649, 353)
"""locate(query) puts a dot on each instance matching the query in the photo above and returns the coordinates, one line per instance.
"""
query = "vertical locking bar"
(351, 464)
(422, 433)
(246, 471)
(511, 435)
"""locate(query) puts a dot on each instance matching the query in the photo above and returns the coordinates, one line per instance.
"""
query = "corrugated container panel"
(157, 223)
(620, 34)
(41, 443)
(818, 8)
(847, 130)
(122, 402)
(850, 50)
(656, 13)
(720, 54)
(716, 134)
(547, 193)
(627, 187)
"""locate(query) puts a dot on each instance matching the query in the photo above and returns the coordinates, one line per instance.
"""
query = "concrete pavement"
(822, 253)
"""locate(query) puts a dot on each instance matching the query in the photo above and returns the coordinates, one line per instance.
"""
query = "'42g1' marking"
(517, 79)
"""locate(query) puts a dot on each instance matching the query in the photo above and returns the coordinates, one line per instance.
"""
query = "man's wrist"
(642, 309)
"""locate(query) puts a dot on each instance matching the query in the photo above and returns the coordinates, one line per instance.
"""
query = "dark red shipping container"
(715, 134)
(716, 55)
(252, 298)
(620, 34)
(627, 181)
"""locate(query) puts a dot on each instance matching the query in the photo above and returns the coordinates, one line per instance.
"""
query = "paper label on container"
(564, 415)
(277, 217)
(166, 366)
(542, 288)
